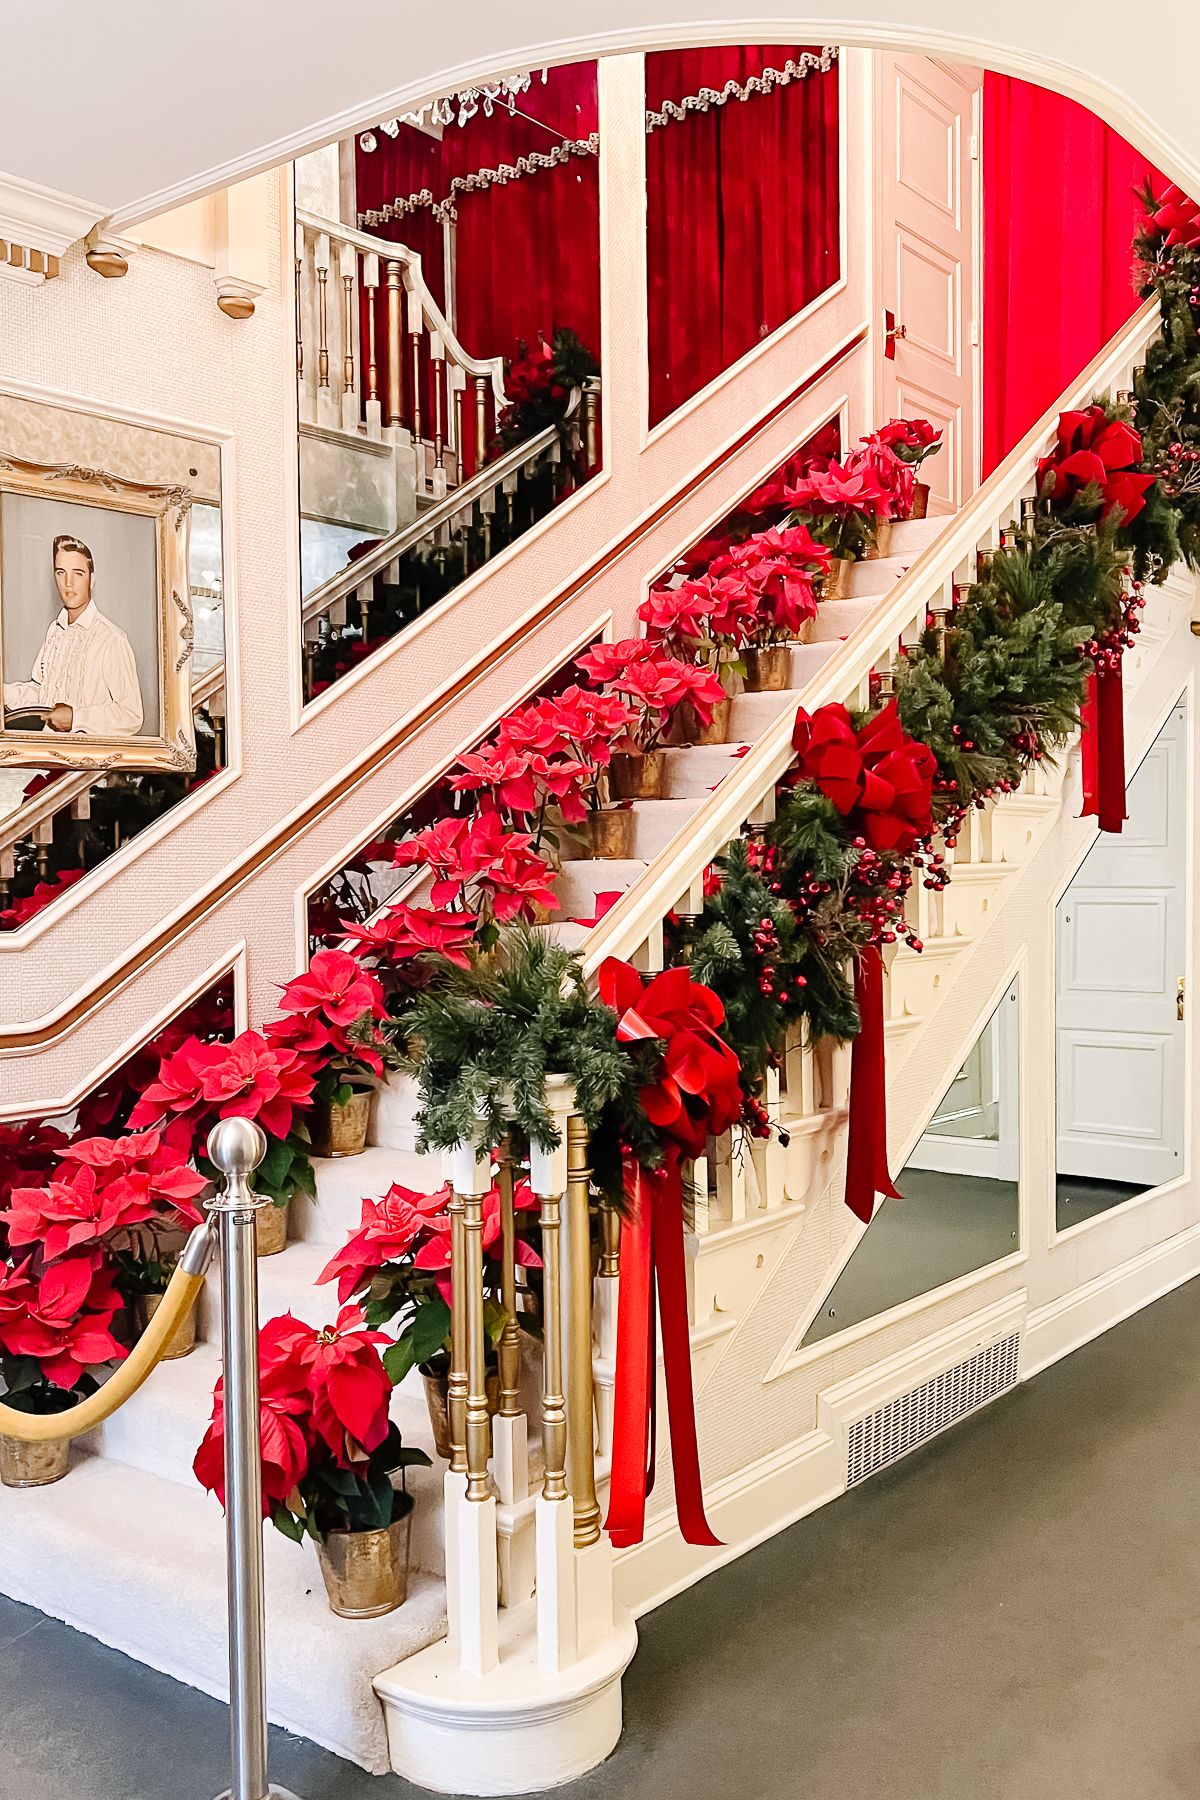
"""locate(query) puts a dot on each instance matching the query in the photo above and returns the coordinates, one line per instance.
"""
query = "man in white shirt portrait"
(85, 671)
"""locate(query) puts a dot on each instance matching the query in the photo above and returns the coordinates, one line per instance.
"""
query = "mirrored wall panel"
(961, 1208)
(1121, 997)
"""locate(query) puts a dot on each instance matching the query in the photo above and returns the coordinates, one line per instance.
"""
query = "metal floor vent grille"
(891, 1431)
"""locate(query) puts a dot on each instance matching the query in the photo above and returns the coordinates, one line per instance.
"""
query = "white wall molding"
(37, 227)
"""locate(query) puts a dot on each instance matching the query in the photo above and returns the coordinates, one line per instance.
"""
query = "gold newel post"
(510, 1338)
(581, 1435)
(458, 1383)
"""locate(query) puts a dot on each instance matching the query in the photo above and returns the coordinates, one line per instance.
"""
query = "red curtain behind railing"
(743, 212)
(743, 207)
(1059, 217)
(526, 251)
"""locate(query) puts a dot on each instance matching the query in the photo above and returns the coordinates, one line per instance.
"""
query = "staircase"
(130, 1550)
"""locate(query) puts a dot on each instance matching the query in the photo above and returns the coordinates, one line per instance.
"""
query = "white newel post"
(526, 1698)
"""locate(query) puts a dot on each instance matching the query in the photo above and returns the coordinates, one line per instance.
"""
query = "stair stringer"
(765, 1459)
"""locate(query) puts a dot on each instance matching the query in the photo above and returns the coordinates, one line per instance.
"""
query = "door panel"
(927, 258)
(1121, 956)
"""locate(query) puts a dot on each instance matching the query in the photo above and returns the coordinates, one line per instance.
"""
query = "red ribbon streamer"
(652, 1257)
(1103, 750)
(866, 1155)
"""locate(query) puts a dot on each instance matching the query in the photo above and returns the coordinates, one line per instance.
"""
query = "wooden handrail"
(52, 800)
(624, 929)
(490, 367)
(52, 1028)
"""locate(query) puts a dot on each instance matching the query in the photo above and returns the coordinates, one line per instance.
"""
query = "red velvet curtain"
(1059, 217)
(526, 250)
(742, 212)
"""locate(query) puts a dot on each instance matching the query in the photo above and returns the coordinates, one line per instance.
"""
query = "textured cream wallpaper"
(58, 434)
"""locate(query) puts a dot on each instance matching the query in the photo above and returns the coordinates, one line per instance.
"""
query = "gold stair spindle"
(370, 278)
(436, 369)
(480, 384)
(554, 1411)
(415, 338)
(581, 1431)
(323, 321)
(610, 1241)
(458, 432)
(478, 1425)
(395, 339)
(459, 1376)
(510, 1337)
(591, 424)
(348, 339)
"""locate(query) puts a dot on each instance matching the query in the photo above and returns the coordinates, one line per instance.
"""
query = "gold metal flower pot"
(692, 732)
(836, 579)
(366, 1572)
(768, 667)
(437, 1399)
(920, 505)
(610, 833)
(25, 1465)
(637, 777)
(271, 1229)
(881, 542)
(341, 1130)
(182, 1340)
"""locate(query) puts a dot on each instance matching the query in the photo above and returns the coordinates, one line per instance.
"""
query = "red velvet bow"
(879, 774)
(697, 1089)
(1091, 447)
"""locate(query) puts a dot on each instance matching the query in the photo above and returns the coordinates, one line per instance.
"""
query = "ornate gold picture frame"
(95, 620)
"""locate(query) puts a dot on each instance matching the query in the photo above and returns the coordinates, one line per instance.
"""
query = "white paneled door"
(927, 162)
(1121, 963)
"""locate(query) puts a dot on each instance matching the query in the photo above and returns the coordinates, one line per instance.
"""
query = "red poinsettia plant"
(335, 1015)
(841, 505)
(778, 568)
(249, 1078)
(132, 1197)
(707, 621)
(1093, 467)
(328, 1447)
(652, 685)
(76, 1244)
(398, 1265)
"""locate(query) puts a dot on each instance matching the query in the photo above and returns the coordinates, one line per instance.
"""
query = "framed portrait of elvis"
(95, 621)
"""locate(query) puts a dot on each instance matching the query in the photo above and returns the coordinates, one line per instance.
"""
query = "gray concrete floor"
(1009, 1614)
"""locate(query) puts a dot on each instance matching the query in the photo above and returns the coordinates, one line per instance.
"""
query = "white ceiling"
(134, 106)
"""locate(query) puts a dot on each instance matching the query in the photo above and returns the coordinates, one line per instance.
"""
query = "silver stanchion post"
(235, 1148)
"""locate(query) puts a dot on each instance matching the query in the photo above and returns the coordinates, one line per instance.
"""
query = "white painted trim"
(744, 1510)
(42, 219)
(1064, 1324)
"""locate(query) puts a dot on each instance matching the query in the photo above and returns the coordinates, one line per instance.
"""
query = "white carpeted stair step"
(286, 1283)
(658, 822)
(837, 619)
(139, 1563)
(755, 713)
(160, 1428)
(581, 881)
(693, 772)
(344, 1182)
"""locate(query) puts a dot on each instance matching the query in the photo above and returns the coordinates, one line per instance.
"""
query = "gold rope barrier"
(178, 1301)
